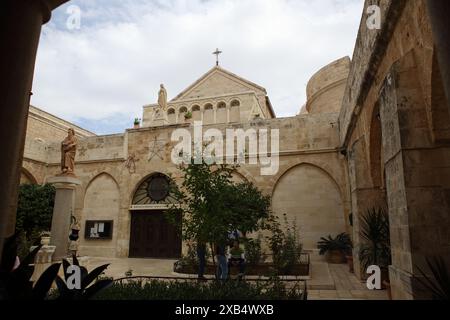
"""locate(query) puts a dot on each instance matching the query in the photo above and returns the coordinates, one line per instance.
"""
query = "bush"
(342, 242)
(214, 290)
(285, 246)
(253, 251)
(34, 214)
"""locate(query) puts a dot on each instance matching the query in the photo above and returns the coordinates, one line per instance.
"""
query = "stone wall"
(309, 159)
(397, 150)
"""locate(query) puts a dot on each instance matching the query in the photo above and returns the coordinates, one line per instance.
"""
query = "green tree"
(34, 213)
(211, 205)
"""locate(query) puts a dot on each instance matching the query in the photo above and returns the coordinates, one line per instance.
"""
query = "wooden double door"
(152, 236)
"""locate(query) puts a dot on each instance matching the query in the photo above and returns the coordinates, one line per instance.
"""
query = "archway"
(309, 195)
(151, 235)
(100, 212)
(26, 177)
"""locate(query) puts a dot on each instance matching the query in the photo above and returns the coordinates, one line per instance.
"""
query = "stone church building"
(375, 131)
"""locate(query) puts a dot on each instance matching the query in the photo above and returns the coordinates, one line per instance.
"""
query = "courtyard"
(326, 282)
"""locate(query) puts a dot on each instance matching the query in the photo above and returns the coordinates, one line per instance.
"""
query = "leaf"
(43, 285)
(66, 265)
(64, 292)
(93, 275)
(96, 288)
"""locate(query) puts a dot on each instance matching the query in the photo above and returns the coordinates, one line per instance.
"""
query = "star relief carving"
(157, 148)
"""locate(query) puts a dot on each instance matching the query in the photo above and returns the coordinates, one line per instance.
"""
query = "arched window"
(195, 108)
(171, 111)
(156, 189)
(235, 103)
(221, 105)
(209, 106)
(183, 110)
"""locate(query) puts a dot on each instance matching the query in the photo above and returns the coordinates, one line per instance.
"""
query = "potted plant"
(188, 115)
(45, 238)
(137, 123)
(334, 249)
(376, 249)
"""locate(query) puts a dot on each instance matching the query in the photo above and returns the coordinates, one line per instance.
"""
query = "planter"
(350, 264)
(265, 269)
(45, 241)
(335, 257)
(136, 126)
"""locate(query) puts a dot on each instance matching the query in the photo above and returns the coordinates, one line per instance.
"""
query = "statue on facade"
(68, 152)
(162, 98)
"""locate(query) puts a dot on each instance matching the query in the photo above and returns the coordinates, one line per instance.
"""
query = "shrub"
(214, 290)
(285, 246)
(34, 214)
(376, 249)
(342, 242)
(253, 251)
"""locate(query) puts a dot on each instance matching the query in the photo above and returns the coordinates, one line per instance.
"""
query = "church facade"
(120, 172)
(375, 132)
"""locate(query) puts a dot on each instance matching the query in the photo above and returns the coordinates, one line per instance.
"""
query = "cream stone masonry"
(374, 132)
(311, 166)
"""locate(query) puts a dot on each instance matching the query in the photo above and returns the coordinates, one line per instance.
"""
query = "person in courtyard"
(222, 266)
(237, 258)
(201, 255)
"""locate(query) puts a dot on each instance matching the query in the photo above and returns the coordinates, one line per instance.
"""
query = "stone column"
(62, 212)
(364, 196)
(20, 28)
(439, 12)
(416, 180)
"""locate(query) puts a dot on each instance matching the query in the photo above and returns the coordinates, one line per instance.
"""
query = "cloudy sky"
(100, 75)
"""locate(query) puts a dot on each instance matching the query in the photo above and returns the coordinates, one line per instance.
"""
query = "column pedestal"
(62, 212)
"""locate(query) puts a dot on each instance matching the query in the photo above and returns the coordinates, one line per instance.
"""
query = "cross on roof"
(217, 52)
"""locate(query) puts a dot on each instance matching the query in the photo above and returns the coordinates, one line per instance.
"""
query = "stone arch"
(375, 149)
(208, 115)
(181, 113)
(439, 110)
(196, 112)
(139, 195)
(101, 202)
(244, 175)
(235, 113)
(222, 113)
(171, 115)
(26, 177)
(310, 195)
(235, 103)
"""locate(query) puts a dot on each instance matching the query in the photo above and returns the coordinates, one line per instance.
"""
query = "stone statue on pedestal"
(68, 152)
(162, 98)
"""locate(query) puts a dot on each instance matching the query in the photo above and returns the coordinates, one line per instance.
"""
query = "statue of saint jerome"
(68, 152)
(162, 97)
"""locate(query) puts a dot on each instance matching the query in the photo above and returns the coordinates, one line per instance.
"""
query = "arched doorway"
(152, 236)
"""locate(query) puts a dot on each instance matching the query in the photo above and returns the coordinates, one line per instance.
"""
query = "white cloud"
(114, 64)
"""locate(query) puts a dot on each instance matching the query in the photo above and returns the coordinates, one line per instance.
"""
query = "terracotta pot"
(136, 126)
(350, 263)
(335, 257)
